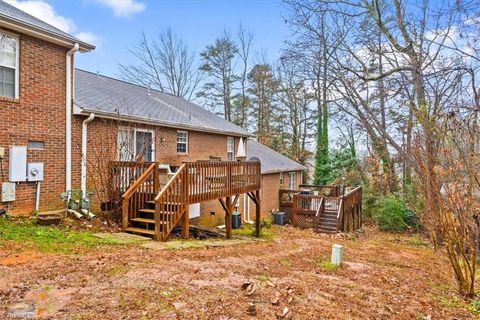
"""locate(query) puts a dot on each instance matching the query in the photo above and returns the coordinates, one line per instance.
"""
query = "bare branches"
(164, 63)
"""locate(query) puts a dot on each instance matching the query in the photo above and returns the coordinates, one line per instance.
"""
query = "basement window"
(8, 65)
(35, 145)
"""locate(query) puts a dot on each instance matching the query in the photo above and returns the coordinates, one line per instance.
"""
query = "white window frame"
(186, 142)
(230, 143)
(135, 130)
(282, 179)
(292, 180)
(17, 61)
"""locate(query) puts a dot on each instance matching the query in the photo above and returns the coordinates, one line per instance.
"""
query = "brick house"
(36, 63)
(72, 120)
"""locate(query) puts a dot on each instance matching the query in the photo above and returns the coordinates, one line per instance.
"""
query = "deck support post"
(186, 224)
(257, 214)
(255, 196)
(228, 205)
(228, 218)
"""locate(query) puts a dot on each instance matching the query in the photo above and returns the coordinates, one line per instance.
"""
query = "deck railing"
(193, 182)
(305, 210)
(124, 173)
(143, 189)
(202, 181)
(325, 190)
(349, 217)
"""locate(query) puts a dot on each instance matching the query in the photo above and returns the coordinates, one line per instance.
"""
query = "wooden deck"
(154, 210)
(327, 211)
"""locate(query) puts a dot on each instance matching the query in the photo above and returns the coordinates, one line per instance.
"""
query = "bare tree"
(165, 63)
(242, 101)
(400, 67)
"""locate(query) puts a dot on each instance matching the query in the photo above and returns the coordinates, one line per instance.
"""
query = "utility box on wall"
(17, 165)
(8, 191)
(35, 171)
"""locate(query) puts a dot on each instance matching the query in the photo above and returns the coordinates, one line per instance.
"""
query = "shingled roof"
(18, 20)
(111, 97)
(271, 160)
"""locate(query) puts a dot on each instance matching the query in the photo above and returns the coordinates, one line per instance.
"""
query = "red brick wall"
(102, 146)
(38, 114)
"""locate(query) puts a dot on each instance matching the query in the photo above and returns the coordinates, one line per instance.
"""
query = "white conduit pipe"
(83, 174)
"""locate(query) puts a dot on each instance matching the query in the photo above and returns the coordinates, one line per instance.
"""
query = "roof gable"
(18, 20)
(271, 160)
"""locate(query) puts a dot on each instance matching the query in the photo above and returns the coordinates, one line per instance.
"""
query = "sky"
(115, 25)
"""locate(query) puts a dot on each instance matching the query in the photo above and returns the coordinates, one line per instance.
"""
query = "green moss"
(264, 277)
(248, 230)
(55, 239)
(286, 263)
(325, 263)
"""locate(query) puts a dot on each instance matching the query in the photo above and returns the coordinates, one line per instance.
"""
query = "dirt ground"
(384, 276)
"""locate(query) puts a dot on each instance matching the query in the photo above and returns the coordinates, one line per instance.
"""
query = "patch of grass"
(417, 242)
(286, 263)
(474, 307)
(264, 277)
(52, 239)
(119, 269)
(351, 237)
(325, 264)
(248, 230)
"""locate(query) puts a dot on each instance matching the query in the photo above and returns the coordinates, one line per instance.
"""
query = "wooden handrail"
(129, 192)
(170, 182)
(319, 207)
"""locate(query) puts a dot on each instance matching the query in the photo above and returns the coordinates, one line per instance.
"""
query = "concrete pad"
(121, 237)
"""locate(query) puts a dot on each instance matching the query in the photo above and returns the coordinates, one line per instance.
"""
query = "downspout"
(68, 118)
(83, 174)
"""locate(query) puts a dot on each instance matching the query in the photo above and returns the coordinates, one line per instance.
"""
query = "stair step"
(145, 220)
(152, 211)
(140, 230)
(152, 202)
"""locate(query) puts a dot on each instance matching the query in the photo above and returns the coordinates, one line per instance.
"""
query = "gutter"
(83, 174)
(107, 115)
(68, 117)
(41, 33)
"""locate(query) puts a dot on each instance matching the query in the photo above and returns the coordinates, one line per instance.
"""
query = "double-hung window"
(8, 65)
(135, 144)
(230, 148)
(292, 179)
(182, 142)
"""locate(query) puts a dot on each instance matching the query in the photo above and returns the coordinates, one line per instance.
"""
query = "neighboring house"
(278, 172)
(73, 121)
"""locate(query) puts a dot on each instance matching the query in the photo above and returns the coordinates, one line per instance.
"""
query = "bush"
(392, 215)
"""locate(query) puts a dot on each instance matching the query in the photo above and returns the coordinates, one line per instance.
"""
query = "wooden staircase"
(148, 208)
(328, 214)
(327, 222)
